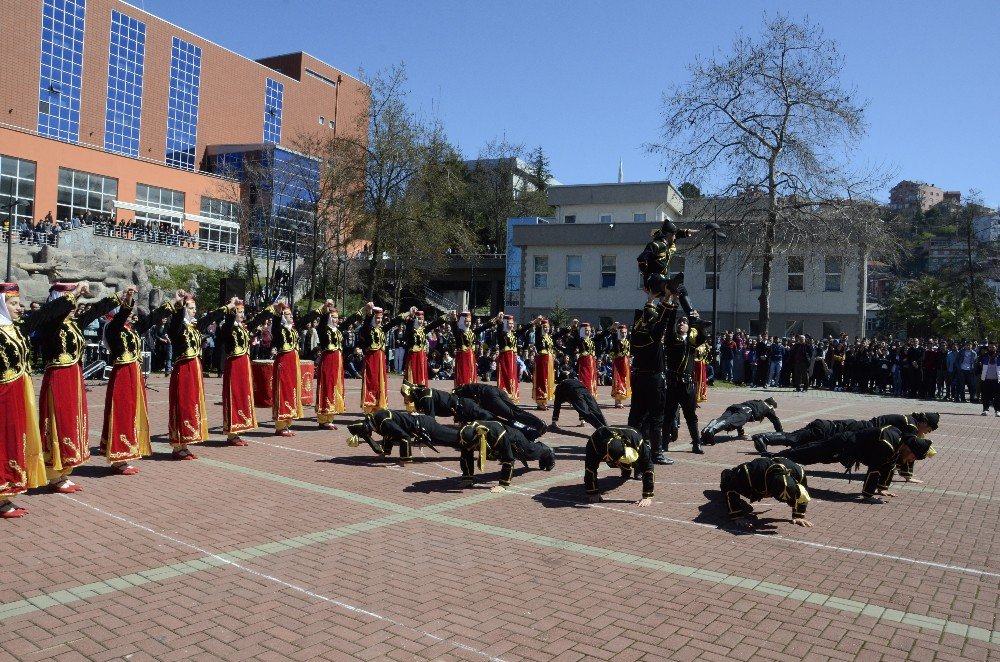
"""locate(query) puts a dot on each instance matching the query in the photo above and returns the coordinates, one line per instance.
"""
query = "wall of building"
(623, 213)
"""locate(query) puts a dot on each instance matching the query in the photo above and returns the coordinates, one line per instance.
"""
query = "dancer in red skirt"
(581, 341)
(544, 379)
(286, 381)
(621, 380)
(374, 372)
(330, 371)
(125, 434)
(238, 413)
(415, 365)
(62, 411)
(21, 465)
(465, 348)
(188, 421)
(701, 373)
(507, 373)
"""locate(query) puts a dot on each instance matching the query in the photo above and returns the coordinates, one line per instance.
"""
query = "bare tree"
(771, 127)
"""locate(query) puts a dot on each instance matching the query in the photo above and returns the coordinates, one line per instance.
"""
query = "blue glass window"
(61, 69)
(125, 63)
(182, 109)
(273, 98)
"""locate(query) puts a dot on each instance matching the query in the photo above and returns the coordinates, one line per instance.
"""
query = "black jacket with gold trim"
(58, 333)
(597, 452)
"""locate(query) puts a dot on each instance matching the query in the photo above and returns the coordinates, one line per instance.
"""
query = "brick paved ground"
(276, 552)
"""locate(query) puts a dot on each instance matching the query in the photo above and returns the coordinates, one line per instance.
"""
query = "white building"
(588, 265)
(987, 228)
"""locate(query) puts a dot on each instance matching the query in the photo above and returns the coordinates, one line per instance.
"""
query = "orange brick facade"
(231, 104)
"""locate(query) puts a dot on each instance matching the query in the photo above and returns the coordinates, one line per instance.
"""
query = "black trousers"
(729, 421)
(822, 451)
(989, 392)
(681, 394)
(586, 406)
(800, 376)
(646, 414)
(530, 425)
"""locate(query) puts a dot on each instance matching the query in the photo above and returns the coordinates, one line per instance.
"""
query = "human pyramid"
(654, 364)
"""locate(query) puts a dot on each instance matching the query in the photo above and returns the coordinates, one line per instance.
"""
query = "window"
(574, 265)
(17, 182)
(834, 273)
(171, 202)
(541, 271)
(224, 235)
(125, 64)
(182, 105)
(570, 218)
(639, 218)
(322, 121)
(831, 329)
(607, 218)
(61, 71)
(80, 192)
(609, 270)
(793, 328)
(756, 274)
(676, 265)
(332, 124)
(274, 96)
(796, 272)
(711, 274)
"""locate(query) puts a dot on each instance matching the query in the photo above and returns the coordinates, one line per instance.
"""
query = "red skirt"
(700, 381)
(21, 465)
(507, 375)
(188, 422)
(125, 435)
(586, 368)
(621, 379)
(544, 380)
(330, 384)
(286, 382)
(465, 367)
(373, 378)
(415, 370)
(238, 413)
(62, 418)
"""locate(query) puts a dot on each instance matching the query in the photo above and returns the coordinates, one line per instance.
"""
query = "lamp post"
(11, 222)
(716, 235)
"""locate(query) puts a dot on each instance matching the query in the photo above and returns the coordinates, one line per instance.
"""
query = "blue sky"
(584, 78)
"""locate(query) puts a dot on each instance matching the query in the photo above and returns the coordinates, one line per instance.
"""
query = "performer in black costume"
(620, 447)
(738, 415)
(496, 441)
(434, 402)
(576, 394)
(496, 401)
(648, 387)
(778, 478)
(879, 449)
(403, 428)
(917, 424)
(680, 347)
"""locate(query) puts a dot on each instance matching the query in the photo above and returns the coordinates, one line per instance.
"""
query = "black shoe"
(708, 438)
(759, 443)
(662, 459)
(696, 448)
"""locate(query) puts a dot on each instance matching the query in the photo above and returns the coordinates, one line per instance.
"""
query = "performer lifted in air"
(777, 478)
(623, 448)
(655, 261)
(576, 394)
(495, 401)
(879, 449)
(403, 428)
(495, 441)
(738, 415)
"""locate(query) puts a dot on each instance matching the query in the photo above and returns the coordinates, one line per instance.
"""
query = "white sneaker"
(986, 413)
(997, 413)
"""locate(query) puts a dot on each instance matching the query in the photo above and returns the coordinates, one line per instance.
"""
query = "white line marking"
(339, 603)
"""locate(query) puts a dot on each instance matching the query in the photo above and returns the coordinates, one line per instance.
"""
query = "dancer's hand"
(801, 522)
(644, 502)
(497, 489)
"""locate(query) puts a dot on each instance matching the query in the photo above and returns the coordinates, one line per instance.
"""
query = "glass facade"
(125, 62)
(17, 182)
(224, 236)
(182, 108)
(80, 192)
(159, 198)
(61, 70)
(273, 101)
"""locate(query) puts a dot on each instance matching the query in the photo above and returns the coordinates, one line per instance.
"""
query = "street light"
(11, 222)
(714, 228)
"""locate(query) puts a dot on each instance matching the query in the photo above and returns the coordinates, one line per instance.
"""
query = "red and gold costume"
(507, 372)
(21, 465)
(374, 371)
(287, 376)
(188, 419)
(621, 378)
(586, 365)
(125, 434)
(330, 374)
(544, 378)
(465, 350)
(238, 413)
(700, 373)
(62, 414)
(415, 365)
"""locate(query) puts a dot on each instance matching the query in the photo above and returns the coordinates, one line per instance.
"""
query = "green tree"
(558, 316)
(689, 191)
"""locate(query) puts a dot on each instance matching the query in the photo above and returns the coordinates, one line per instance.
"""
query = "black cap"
(930, 418)
(668, 227)
(920, 447)
(771, 401)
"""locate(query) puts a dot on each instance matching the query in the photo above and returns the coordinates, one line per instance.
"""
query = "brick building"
(918, 195)
(108, 109)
